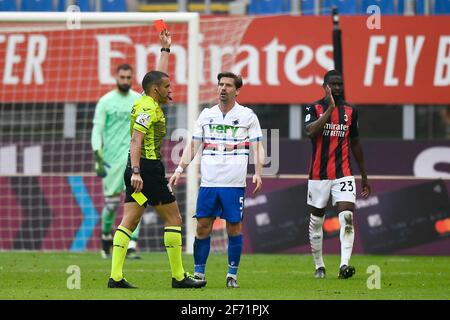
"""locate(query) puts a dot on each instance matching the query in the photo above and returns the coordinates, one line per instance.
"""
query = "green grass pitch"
(37, 275)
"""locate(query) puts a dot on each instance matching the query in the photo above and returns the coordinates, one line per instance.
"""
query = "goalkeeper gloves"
(100, 164)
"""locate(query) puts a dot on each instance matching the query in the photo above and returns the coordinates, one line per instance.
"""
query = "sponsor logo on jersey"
(335, 130)
(223, 129)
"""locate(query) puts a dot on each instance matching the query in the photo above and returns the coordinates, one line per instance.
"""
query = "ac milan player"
(332, 125)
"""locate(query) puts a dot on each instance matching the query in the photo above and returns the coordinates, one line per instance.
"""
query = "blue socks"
(201, 252)
(234, 255)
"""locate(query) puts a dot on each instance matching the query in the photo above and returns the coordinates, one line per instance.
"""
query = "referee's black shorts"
(155, 188)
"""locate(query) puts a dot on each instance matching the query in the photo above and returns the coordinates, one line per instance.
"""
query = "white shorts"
(342, 189)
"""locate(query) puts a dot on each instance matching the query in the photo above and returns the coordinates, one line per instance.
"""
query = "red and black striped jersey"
(330, 158)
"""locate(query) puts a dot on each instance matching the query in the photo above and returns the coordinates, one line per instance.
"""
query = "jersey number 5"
(241, 207)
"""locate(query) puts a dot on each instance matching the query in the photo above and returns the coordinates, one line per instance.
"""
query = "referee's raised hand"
(165, 39)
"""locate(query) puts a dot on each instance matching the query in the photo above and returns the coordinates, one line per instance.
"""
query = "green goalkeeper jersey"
(111, 126)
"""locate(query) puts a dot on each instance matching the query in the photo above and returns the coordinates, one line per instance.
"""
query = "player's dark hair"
(123, 66)
(152, 78)
(330, 74)
(237, 79)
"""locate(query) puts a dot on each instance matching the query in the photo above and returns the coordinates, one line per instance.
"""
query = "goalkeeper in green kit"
(110, 142)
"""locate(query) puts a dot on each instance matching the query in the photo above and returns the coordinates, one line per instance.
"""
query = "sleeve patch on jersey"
(143, 119)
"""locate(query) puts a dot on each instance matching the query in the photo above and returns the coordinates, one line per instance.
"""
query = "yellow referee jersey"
(148, 118)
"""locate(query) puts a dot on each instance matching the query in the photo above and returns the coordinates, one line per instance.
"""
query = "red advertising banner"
(73, 65)
(406, 61)
(282, 60)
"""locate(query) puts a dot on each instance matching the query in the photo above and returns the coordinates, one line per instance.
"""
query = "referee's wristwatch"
(136, 170)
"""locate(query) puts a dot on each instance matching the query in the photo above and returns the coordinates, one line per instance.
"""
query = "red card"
(160, 25)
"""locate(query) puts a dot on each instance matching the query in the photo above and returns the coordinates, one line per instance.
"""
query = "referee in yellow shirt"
(145, 173)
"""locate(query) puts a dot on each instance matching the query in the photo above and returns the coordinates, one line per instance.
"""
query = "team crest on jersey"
(143, 119)
(235, 122)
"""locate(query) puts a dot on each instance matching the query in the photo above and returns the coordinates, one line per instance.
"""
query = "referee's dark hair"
(237, 79)
(329, 74)
(151, 78)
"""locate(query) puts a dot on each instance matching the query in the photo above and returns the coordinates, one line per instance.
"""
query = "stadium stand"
(36, 5)
(87, 5)
(308, 7)
(252, 7)
(269, 7)
(441, 7)
(62, 5)
(114, 5)
(420, 7)
(347, 7)
(386, 6)
(216, 6)
(8, 5)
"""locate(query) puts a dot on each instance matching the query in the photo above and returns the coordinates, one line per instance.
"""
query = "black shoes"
(320, 273)
(346, 272)
(107, 243)
(132, 254)
(188, 282)
(123, 284)
(232, 283)
(198, 277)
